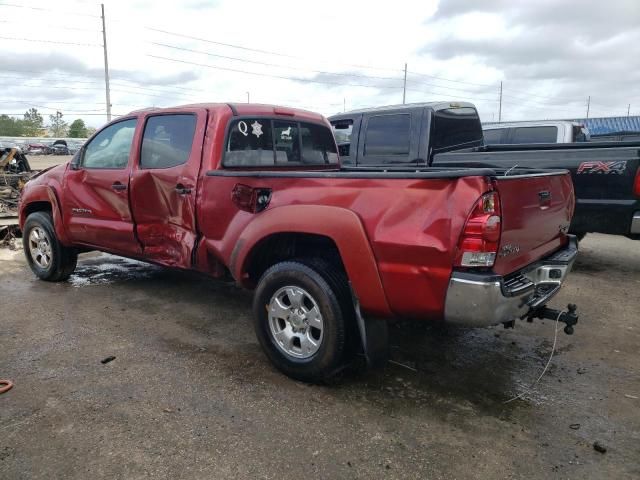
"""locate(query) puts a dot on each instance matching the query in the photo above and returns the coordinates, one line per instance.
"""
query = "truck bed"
(413, 218)
(603, 176)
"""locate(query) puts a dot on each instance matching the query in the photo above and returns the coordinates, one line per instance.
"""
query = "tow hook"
(568, 317)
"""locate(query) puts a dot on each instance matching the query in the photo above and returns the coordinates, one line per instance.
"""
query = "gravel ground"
(190, 394)
(40, 162)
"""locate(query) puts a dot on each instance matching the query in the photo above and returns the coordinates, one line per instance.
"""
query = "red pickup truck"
(256, 192)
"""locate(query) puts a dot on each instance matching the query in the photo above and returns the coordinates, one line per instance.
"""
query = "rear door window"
(167, 140)
(342, 131)
(388, 135)
(580, 134)
(542, 134)
(494, 136)
(455, 128)
(318, 145)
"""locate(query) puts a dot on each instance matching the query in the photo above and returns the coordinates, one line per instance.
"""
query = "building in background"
(612, 128)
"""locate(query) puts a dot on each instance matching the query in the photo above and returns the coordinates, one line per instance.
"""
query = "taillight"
(478, 244)
(636, 184)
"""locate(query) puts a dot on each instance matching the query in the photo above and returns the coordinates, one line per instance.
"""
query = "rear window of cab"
(263, 142)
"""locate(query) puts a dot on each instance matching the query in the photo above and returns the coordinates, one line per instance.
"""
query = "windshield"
(342, 131)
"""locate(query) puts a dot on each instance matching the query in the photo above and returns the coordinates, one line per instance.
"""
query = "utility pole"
(500, 104)
(344, 105)
(588, 105)
(628, 109)
(248, 97)
(404, 88)
(106, 65)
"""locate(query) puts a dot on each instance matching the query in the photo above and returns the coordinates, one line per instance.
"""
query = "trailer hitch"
(569, 317)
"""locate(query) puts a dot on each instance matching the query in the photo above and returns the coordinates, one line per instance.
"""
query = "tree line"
(32, 125)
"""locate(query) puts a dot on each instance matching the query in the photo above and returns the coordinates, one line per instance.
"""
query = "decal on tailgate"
(617, 168)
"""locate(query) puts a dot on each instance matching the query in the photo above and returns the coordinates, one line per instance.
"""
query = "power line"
(45, 79)
(68, 113)
(55, 27)
(450, 80)
(59, 109)
(191, 37)
(319, 71)
(176, 94)
(28, 102)
(44, 87)
(464, 90)
(450, 97)
(268, 52)
(316, 71)
(66, 12)
(257, 62)
(71, 75)
(297, 79)
(444, 87)
(51, 41)
(55, 73)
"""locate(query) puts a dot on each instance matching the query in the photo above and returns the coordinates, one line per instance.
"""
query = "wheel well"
(37, 207)
(287, 246)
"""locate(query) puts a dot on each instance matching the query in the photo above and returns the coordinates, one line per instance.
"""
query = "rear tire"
(47, 257)
(301, 318)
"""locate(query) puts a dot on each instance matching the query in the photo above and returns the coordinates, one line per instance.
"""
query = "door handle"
(117, 186)
(182, 190)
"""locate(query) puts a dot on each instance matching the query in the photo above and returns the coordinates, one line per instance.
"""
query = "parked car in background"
(552, 131)
(256, 192)
(73, 147)
(59, 147)
(36, 149)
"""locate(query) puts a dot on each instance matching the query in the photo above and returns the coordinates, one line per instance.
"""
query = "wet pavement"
(190, 395)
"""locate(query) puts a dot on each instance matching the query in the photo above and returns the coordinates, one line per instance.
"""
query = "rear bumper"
(484, 299)
(614, 217)
(635, 224)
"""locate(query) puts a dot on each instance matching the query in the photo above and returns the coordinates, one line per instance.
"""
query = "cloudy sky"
(551, 55)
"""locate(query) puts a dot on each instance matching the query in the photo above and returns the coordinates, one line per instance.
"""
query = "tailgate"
(536, 213)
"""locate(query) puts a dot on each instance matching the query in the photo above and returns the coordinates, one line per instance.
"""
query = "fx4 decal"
(617, 168)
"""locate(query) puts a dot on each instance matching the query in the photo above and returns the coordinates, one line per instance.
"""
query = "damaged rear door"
(163, 185)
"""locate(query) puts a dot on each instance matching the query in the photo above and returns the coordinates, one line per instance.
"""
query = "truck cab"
(405, 134)
(551, 131)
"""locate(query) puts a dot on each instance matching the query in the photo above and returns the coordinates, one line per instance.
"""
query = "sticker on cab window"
(242, 128)
(257, 129)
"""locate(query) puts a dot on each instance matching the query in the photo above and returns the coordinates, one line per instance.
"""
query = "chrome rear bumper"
(484, 299)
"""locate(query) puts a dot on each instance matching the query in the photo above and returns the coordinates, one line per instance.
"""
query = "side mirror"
(75, 161)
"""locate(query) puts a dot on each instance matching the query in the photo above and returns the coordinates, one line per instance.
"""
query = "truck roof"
(430, 105)
(242, 109)
(529, 123)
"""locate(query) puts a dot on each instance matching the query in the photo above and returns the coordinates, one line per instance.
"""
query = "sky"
(325, 56)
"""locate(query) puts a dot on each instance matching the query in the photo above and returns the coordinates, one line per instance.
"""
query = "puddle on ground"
(458, 370)
(455, 368)
(106, 269)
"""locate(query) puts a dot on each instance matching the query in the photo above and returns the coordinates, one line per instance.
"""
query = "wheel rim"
(40, 247)
(295, 322)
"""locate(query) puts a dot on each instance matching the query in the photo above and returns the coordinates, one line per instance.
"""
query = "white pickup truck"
(548, 131)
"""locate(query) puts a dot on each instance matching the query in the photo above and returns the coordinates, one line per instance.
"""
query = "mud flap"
(374, 334)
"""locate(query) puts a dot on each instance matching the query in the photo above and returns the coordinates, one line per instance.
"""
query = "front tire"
(300, 318)
(47, 257)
